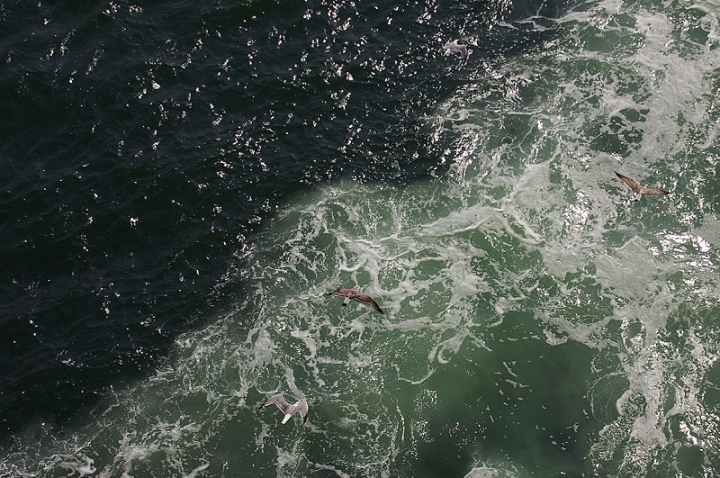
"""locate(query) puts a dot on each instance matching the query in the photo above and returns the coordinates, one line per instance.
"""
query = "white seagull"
(289, 410)
(454, 46)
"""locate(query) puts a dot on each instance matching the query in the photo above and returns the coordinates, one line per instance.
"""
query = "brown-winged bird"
(353, 294)
(640, 190)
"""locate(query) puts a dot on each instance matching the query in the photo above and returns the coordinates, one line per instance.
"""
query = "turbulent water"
(183, 183)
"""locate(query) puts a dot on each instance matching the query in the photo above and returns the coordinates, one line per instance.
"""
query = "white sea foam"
(530, 221)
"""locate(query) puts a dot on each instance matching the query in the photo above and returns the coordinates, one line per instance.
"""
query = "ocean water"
(183, 183)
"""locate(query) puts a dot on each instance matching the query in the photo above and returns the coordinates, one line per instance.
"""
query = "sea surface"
(182, 183)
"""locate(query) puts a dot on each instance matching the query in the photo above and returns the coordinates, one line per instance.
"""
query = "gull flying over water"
(300, 406)
(356, 296)
(640, 190)
(454, 46)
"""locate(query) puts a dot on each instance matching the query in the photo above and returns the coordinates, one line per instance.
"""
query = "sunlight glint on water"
(537, 320)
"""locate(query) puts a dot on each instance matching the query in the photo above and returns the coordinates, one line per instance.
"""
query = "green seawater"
(538, 321)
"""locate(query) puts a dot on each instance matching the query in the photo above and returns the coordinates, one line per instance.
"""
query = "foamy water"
(537, 320)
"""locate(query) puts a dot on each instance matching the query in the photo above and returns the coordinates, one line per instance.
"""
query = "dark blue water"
(181, 182)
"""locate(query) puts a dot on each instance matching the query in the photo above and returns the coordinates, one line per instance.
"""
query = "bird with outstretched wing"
(640, 190)
(353, 294)
(300, 406)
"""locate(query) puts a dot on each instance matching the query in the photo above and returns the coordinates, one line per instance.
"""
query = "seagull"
(454, 46)
(640, 190)
(300, 406)
(356, 296)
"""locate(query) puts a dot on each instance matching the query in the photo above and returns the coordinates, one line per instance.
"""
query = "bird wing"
(630, 182)
(303, 409)
(367, 300)
(463, 52)
(356, 296)
(342, 292)
(454, 46)
(655, 191)
(278, 400)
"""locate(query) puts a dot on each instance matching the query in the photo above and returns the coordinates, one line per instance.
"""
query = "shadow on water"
(145, 145)
(525, 384)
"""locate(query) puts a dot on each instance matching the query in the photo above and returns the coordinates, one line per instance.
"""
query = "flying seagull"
(356, 296)
(640, 190)
(454, 46)
(300, 406)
